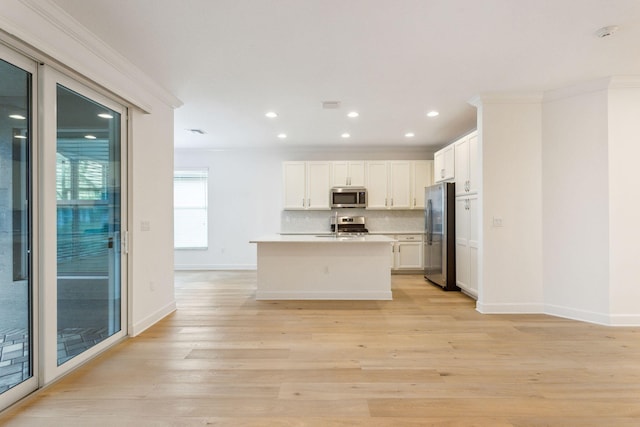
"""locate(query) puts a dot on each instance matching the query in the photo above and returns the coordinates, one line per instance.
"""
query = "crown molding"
(597, 85)
(506, 98)
(50, 30)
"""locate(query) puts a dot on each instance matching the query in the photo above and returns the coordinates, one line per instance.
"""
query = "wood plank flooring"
(427, 358)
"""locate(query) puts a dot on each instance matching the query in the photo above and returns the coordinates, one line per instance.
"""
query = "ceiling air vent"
(196, 131)
(330, 105)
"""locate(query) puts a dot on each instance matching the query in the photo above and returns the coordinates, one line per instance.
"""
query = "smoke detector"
(606, 31)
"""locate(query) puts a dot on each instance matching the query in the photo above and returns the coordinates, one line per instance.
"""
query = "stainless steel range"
(349, 225)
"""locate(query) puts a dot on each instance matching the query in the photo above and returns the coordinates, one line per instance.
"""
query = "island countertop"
(322, 238)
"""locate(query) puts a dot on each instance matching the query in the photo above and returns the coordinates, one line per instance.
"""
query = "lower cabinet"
(406, 253)
(467, 244)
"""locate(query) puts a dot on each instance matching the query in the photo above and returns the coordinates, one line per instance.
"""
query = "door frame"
(31, 384)
(49, 78)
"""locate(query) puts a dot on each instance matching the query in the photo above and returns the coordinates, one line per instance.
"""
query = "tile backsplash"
(377, 220)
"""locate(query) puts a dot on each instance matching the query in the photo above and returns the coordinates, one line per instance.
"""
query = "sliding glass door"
(88, 222)
(63, 262)
(83, 212)
(16, 278)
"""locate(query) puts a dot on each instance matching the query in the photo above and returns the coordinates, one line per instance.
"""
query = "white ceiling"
(231, 61)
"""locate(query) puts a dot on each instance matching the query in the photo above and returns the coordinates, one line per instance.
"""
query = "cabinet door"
(474, 164)
(356, 174)
(421, 178)
(294, 180)
(462, 166)
(474, 244)
(377, 185)
(340, 174)
(444, 166)
(438, 166)
(409, 252)
(409, 255)
(449, 163)
(318, 185)
(462, 242)
(400, 185)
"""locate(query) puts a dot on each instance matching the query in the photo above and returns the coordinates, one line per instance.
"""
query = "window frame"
(186, 174)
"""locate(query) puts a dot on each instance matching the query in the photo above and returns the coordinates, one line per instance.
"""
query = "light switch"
(145, 225)
(497, 221)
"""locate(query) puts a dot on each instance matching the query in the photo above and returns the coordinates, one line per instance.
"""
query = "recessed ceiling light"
(105, 116)
(17, 117)
(345, 135)
(90, 136)
(432, 114)
(353, 114)
(271, 114)
(409, 135)
(282, 135)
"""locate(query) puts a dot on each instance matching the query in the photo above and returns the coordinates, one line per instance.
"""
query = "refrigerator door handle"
(429, 223)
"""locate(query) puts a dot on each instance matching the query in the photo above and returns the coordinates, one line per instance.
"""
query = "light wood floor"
(427, 358)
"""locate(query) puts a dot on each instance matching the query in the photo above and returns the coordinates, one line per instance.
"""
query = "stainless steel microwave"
(348, 197)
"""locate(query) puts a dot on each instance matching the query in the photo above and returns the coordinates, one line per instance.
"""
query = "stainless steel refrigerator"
(439, 239)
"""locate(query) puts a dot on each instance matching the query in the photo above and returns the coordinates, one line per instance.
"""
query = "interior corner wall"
(511, 272)
(151, 223)
(624, 197)
(576, 206)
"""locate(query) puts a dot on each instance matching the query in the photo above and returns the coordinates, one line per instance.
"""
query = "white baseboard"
(510, 308)
(193, 267)
(139, 327)
(560, 311)
(279, 295)
(593, 317)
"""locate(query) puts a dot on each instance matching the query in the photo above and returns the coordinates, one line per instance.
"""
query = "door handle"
(110, 243)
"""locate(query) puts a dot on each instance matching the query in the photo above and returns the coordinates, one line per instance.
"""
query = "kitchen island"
(326, 267)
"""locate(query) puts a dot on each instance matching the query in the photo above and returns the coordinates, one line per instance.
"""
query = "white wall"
(510, 139)
(245, 198)
(576, 204)
(44, 31)
(624, 201)
(151, 222)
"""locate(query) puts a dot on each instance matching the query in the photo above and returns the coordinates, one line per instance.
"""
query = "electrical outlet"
(497, 221)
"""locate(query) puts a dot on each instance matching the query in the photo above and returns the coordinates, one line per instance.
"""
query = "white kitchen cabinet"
(376, 173)
(406, 253)
(444, 164)
(467, 244)
(466, 165)
(421, 177)
(348, 173)
(306, 185)
(389, 184)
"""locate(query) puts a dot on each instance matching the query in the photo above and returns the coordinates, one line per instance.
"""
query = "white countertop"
(322, 238)
(305, 233)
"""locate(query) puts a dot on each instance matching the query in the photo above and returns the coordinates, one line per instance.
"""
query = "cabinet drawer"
(409, 237)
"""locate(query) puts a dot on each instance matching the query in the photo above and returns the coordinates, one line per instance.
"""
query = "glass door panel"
(16, 319)
(88, 223)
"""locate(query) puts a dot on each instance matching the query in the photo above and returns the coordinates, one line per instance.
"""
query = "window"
(190, 208)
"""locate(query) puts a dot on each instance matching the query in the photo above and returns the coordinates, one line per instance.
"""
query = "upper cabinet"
(443, 164)
(397, 184)
(306, 185)
(421, 177)
(348, 173)
(466, 164)
(391, 184)
(388, 184)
